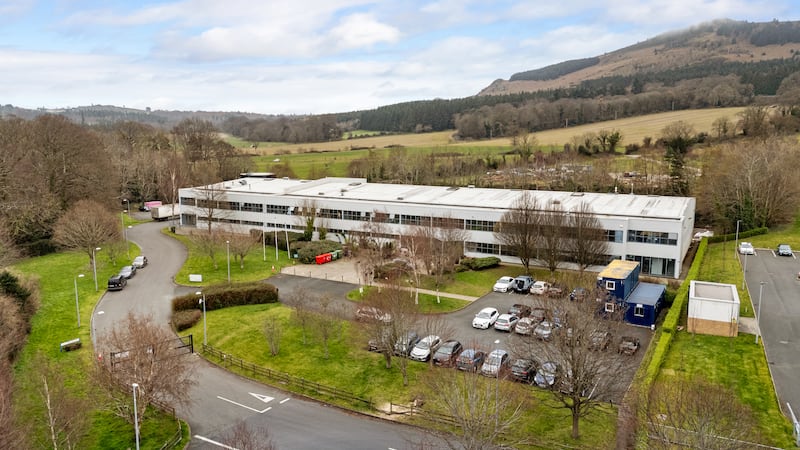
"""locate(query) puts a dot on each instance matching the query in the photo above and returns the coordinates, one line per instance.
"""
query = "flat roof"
(631, 205)
(714, 291)
(618, 269)
(646, 294)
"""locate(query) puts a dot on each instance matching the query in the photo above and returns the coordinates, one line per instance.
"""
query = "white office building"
(656, 231)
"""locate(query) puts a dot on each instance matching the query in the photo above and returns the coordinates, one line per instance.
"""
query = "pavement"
(345, 271)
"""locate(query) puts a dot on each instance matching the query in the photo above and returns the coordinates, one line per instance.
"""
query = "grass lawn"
(721, 265)
(737, 363)
(427, 302)
(56, 322)
(352, 368)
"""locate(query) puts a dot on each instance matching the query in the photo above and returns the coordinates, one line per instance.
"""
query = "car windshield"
(423, 345)
(521, 363)
(484, 315)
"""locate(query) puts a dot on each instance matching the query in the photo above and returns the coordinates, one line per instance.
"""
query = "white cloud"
(362, 31)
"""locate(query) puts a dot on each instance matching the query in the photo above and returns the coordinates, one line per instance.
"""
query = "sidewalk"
(344, 270)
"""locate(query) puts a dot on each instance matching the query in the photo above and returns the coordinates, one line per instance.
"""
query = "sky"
(314, 56)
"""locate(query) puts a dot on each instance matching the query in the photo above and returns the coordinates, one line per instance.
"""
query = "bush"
(743, 235)
(182, 320)
(269, 237)
(223, 296)
(308, 251)
(481, 263)
(392, 270)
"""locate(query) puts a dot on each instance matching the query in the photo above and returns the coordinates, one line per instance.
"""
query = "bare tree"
(588, 366)
(307, 216)
(273, 331)
(86, 226)
(678, 138)
(207, 243)
(66, 416)
(695, 413)
(140, 351)
(440, 245)
(211, 200)
(241, 244)
(302, 314)
(485, 411)
(8, 250)
(244, 437)
(327, 322)
(586, 241)
(518, 228)
(12, 434)
(552, 235)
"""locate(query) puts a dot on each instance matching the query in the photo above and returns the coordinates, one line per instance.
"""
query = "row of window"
(652, 237)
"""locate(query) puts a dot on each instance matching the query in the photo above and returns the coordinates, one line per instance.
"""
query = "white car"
(540, 287)
(485, 318)
(504, 284)
(425, 348)
(746, 248)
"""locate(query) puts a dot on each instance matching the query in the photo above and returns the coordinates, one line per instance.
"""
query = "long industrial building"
(656, 231)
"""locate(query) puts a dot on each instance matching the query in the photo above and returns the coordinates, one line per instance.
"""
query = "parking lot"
(460, 322)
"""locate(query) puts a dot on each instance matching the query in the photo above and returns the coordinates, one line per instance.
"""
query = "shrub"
(182, 320)
(307, 251)
(392, 270)
(481, 263)
(282, 235)
(223, 296)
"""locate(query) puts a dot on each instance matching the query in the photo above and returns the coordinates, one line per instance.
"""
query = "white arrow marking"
(285, 400)
(244, 406)
(263, 398)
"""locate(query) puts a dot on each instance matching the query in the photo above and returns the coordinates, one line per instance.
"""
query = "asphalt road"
(780, 319)
(222, 399)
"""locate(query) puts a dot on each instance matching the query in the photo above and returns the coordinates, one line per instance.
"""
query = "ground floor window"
(482, 247)
(638, 311)
(654, 266)
(188, 219)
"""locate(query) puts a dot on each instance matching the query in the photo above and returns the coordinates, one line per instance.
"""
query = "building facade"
(655, 231)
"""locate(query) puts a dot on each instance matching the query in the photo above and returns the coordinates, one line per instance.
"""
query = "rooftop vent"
(453, 188)
(320, 193)
(577, 194)
(355, 184)
(400, 198)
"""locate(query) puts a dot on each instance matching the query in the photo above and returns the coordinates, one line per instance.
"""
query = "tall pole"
(128, 207)
(286, 232)
(276, 244)
(94, 267)
(264, 242)
(203, 301)
(77, 308)
(758, 315)
(744, 269)
(228, 250)
(497, 394)
(737, 235)
(125, 232)
(135, 415)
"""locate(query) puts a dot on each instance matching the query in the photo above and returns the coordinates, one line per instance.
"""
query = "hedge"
(742, 235)
(481, 263)
(223, 296)
(308, 251)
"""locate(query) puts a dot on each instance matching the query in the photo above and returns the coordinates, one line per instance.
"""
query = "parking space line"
(285, 400)
(210, 441)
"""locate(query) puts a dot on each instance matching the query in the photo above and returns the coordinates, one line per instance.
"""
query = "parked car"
(544, 330)
(746, 248)
(117, 283)
(519, 310)
(485, 318)
(784, 250)
(599, 340)
(506, 322)
(405, 343)
(628, 345)
(496, 363)
(546, 375)
(554, 291)
(447, 353)
(379, 342)
(425, 348)
(525, 326)
(540, 287)
(372, 314)
(127, 272)
(503, 284)
(523, 370)
(538, 314)
(470, 359)
(140, 261)
(522, 284)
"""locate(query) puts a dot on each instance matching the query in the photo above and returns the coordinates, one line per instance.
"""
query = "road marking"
(100, 313)
(244, 406)
(285, 400)
(263, 398)
(218, 444)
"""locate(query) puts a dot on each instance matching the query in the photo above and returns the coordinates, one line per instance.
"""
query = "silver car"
(496, 363)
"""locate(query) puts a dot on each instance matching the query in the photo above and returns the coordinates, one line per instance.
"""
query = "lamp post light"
(77, 308)
(135, 415)
(497, 393)
(744, 270)
(94, 266)
(203, 301)
(758, 314)
(228, 251)
(737, 235)
(127, 206)
(264, 242)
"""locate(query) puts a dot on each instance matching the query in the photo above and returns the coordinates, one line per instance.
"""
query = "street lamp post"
(737, 235)
(203, 301)
(228, 251)
(744, 270)
(135, 415)
(758, 314)
(94, 266)
(497, 393)
(127, 206)
(264, 242)
(125, 232)
(77, 308)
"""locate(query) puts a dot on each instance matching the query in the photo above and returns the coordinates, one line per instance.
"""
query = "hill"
(720, 48)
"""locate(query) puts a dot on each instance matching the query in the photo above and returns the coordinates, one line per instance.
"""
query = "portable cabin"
(644, 304)
(619, 278)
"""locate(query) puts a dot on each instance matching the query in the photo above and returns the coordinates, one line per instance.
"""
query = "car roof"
(506, 278)
(498, 352)
(488, 309)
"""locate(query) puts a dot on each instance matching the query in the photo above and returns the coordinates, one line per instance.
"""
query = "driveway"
(780, 319)
(221, 399)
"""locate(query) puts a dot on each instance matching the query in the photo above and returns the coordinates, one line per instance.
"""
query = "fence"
(298, 383)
